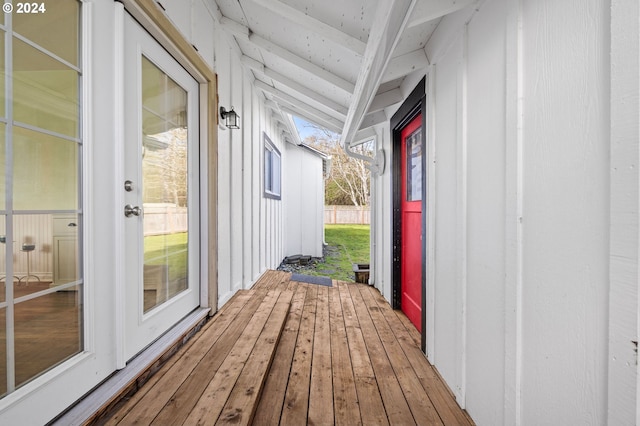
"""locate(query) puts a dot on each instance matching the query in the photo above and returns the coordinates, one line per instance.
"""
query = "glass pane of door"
(414, 166)
(165, 189)
(161, 202)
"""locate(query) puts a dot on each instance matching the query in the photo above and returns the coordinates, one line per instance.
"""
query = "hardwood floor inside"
(47, 330)
(291, 353)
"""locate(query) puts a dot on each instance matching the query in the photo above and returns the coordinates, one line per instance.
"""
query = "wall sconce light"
(230, 117)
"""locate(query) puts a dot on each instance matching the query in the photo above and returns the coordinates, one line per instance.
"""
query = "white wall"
(566, 213)
(522, 207)
(250, 226)
(381, 218)
(624, 398)
(303, 197)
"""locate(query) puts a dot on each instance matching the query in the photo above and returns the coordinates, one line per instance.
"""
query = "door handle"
(130, 210)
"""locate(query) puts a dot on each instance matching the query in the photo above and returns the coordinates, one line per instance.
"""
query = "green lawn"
(168, 249)
(347, 244)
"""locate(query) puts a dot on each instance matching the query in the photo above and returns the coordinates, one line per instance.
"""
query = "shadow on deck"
(291, 353)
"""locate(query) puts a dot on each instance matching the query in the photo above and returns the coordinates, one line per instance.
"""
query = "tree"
(349, 180)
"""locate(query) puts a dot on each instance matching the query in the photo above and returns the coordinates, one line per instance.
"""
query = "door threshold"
(124, 382)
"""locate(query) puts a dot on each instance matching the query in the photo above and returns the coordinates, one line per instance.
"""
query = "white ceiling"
(334, 62)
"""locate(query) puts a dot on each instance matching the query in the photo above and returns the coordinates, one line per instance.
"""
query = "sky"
(305, 128)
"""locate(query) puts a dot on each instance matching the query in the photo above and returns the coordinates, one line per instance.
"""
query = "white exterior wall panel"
(566, 213)
(248, 171)
(303, 198)
(256, 194)
(448, 304)
(381, 218)
(223, 68)
(485, 213)
(250, 226)
(624, 405)
(237, 161)
(203, 30)
(520, 213)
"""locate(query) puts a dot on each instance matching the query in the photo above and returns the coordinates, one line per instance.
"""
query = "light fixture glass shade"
(231, 118)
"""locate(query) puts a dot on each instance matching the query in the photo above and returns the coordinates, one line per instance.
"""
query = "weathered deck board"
(293, 353)
(189, 391)
(296, 400)
(145, 405)
(270, 404)
(212, 401)
(371, 405)
(422, 408)
(241, 405)
(395, 403)
(321, 386)
(345, 398)
(441, 397)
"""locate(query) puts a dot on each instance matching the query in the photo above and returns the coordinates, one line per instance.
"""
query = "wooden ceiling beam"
(405, 64)
(297, 104)
(309, 23)
(386, 99)
(426, 11)
(371, 120)
(310, 118)
(389, 22)
(301, 63)
(296, 87)
(265, 45)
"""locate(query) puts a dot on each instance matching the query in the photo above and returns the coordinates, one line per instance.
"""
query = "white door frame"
(207, 234)
(144, 328)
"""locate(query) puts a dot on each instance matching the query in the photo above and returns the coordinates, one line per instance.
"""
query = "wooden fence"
(353, 215)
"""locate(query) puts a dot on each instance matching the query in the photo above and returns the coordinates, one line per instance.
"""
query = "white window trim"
(275, 191)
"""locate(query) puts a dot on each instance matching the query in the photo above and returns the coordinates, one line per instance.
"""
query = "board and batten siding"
(250, 227)
(532, 286)
(625, 203)
(303, 198)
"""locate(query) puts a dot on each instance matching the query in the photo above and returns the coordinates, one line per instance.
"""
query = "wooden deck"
(291, 354)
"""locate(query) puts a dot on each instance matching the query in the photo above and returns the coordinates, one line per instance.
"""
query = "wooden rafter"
(426, 11)
(310, 118)
(312, 24)
(259, 67)
(386, 99)
(405, 64)
(390, 20)
(296, 103)
(372, 119)
(243, 32)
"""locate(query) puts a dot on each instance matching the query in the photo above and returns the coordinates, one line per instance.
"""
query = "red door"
(411, 219)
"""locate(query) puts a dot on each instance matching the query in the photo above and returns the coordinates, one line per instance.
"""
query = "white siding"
(486, 213)
(566, 214)
(248, 171)
(625, 180)
(447, 348)
(236, 171)
(381, 219)
(250, 229)
(256, 199)
(523, 207)
(303, 197)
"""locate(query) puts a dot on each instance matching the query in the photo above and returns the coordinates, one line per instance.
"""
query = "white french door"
(160, 190)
